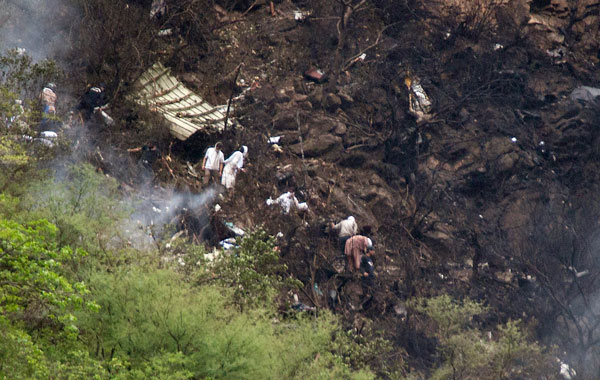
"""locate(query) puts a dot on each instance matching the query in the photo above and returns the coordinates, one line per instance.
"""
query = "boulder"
(318, 145)
(333, 101)
(340, 128)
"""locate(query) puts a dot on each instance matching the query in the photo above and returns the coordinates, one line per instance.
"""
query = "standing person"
(92, 99)
(212, 164)
(234, 163)
(356, 247)
(49, 107)
(346, 229)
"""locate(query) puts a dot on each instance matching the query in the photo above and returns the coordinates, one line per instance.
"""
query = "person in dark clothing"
(93, 98)
(367, 269)
(150, 154)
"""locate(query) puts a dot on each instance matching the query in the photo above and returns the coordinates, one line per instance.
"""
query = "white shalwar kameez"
(234, 163)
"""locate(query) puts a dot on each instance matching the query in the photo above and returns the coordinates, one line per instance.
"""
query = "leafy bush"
(160, 325)
(468, 352)
(83, 204)
(252, 270)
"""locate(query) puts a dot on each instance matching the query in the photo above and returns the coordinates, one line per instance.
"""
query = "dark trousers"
(343, 244)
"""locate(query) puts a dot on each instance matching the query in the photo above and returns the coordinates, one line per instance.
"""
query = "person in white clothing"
(234, 163)
(212, 164)
(346, 229)
(288, 201)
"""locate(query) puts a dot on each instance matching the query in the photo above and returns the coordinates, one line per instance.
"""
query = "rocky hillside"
(456, 132)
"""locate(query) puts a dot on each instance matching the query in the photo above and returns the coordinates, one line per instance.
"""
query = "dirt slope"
(467, 200)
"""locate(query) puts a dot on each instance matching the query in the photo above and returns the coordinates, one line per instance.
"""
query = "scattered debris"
(579, 274)
(186, 112)
(276, 148)
(513, 139)
(300, 15)
(498, 46)
(233, 228)
(303, 307)
(165, 32)
(316, 75)
(228, 244)
(274, 139)
(585, 93)
(47, 138)
(419, 103)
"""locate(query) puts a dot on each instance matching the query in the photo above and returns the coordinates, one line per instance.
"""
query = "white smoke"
(41, 27)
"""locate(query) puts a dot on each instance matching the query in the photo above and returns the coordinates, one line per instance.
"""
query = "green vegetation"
(78, 302)
(468, 352)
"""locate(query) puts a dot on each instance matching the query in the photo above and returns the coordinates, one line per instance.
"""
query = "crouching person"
(356, 247)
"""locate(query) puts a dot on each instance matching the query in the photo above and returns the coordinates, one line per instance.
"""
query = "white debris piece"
(47, 138)
(513, 139)
(585, 93)
(274, 139)
(233, 228)
(299, 15)
(498, 46)
(228, 244)
(217, 207)
(165, 32)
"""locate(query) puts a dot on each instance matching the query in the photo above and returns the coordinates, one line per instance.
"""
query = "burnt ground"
(466, 202)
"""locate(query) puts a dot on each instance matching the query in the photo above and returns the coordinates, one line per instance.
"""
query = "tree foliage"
(468, 352)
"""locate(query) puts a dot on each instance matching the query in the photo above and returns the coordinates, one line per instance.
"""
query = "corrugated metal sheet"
(186, 112)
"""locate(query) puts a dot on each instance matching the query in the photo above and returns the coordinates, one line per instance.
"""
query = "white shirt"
(214, 159)
(287, 201)
(347, 227)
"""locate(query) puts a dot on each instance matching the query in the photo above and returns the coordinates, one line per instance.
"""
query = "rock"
(333, 101)
(282, 96)
(285, 120)
(340, 128)
(507, 161)
(299, 97)
(318, 146)
(345, 97)
(307, 106)
(316, 97)
(354, 160)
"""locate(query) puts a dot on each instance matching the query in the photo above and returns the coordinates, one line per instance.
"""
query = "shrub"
(466, 351)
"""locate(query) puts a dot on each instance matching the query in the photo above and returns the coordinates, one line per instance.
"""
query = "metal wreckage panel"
(185, 111)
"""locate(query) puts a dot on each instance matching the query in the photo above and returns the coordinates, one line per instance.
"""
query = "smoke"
(41, 27)
(46, 29)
